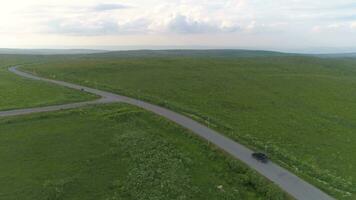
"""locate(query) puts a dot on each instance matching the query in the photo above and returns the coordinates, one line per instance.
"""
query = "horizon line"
(306, 50)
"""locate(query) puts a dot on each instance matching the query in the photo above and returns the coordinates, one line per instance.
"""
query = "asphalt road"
(286, 180)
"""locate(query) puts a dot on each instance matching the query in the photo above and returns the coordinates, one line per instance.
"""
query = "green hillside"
(117, 152)
(17, 92)
(300, 109)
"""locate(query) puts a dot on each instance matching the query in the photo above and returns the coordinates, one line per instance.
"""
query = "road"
(293, 185)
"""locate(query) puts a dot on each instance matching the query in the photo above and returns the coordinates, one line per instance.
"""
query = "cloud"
(353, 25)
(184, 25)
(82, 28)
(225, 21)
(109, 6)
(103, 25)
(134, 26)
(335, 27)
(97, 27)
(181, 24)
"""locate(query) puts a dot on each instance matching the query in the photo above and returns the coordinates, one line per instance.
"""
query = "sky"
(252, 24)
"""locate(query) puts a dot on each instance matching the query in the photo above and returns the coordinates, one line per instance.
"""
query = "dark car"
(260, 157)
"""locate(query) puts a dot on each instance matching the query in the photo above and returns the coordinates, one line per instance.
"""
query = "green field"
(117, 152)
(299, 109)
(17, 92)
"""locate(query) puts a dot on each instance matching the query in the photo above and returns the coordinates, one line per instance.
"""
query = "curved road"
(289, 182)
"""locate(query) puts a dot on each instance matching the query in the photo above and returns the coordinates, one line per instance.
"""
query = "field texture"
(301, 110)
(117, 152)
(17, 92)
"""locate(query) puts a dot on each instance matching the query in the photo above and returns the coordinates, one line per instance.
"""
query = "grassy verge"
(300, 109)
(17, 92)
(117, 152)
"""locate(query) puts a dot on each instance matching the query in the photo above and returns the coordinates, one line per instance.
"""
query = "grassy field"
(300, 109)
(17, 92)
(117, 152)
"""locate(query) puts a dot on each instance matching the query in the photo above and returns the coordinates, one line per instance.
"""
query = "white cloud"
(247, 20)
(353, 25)
(177, 24)
(341, 28)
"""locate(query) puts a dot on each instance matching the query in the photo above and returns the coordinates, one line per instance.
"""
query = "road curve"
(293, 185)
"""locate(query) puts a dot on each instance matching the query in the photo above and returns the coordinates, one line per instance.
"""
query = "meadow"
(17, 92)
(299, 109)
(114, 152)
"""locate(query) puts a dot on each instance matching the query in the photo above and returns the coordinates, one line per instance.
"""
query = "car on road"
(260, 157)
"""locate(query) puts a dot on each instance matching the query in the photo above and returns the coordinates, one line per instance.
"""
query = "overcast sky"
(261, 24)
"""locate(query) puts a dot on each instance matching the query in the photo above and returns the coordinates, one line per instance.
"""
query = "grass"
(300, 108)
(17, 92)
(117, 152)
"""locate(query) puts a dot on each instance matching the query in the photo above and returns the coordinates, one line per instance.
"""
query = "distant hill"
(222, 53)
(192, 53)
(49, 51)
(339, 55)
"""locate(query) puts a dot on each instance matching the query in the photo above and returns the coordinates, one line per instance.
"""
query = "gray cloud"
(109, 7)
(182, 24)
